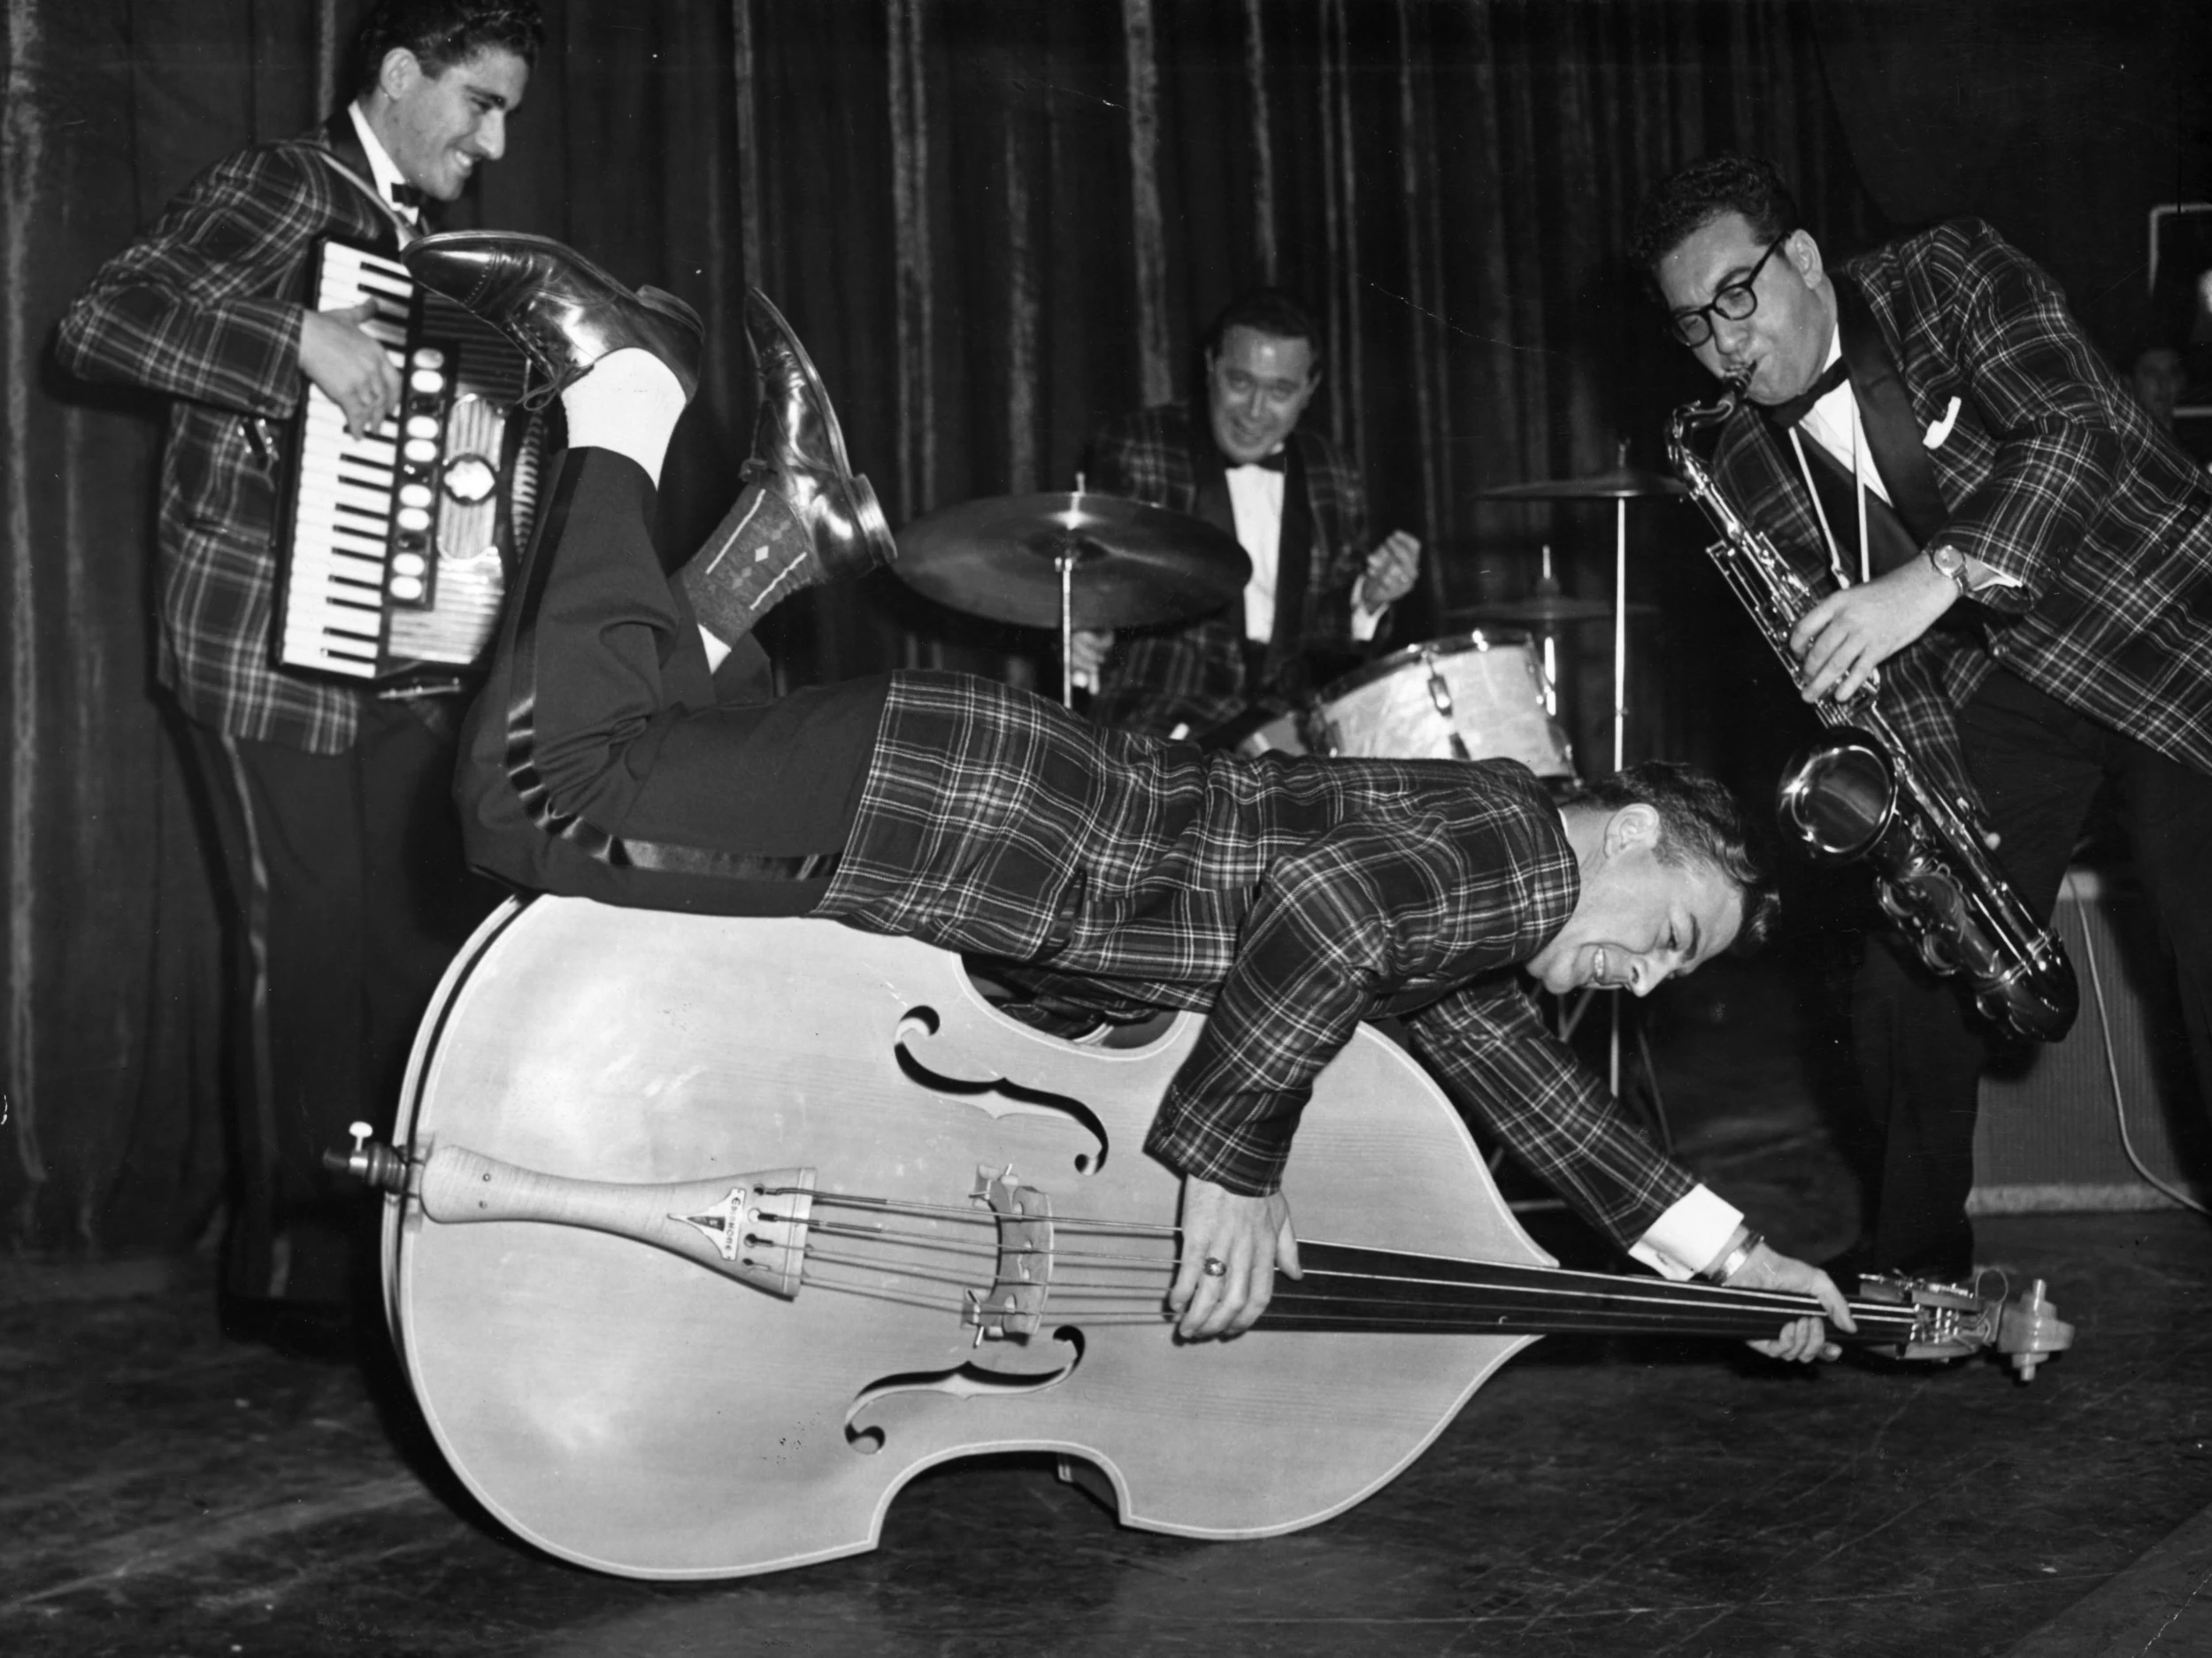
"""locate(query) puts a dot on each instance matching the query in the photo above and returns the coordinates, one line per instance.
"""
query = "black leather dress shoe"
(799, 451)
(562, 310)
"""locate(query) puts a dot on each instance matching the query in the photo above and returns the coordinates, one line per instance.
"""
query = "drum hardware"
(1620, 484)
(1545, 610)
(1069, 561)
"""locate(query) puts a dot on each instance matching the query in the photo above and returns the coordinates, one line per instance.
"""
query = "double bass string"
(1106, 1286)
(929, 1254)
(1099, 1286)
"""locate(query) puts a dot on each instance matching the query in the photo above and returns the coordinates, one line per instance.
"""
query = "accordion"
(396, 548)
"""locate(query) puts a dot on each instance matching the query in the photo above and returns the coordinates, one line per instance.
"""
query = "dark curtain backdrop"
(995, 222)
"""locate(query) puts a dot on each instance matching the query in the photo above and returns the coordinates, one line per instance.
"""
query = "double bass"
(704, 1236)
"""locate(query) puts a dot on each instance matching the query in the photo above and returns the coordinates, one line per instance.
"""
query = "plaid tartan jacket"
(1110, 874)
(2050, 473)
(1195, 674)
(205, 309)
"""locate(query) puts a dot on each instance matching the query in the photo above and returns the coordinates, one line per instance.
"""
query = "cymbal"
(1134, 566)
(1614, 483)
(1545, 610)
(1541, 608)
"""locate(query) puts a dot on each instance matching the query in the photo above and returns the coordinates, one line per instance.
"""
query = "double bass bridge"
(1015, 1304)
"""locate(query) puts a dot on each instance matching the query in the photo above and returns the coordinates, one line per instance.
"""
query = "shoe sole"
(655, 299)
(873, 525)
(473, 238)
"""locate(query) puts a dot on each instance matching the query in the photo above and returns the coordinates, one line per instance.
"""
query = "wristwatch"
(1951, 562)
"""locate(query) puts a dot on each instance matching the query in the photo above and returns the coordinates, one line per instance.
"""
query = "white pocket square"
(1941, 429)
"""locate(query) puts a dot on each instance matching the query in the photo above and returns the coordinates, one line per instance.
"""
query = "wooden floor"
(164, 1491)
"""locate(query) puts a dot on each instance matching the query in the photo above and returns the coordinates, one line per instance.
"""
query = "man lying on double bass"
(626, 749)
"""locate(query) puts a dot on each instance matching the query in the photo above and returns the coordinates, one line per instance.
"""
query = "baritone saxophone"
(1859, 793)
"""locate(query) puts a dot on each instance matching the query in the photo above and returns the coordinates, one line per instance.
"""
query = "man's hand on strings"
(1246, 1238)
(351, 368)
(1840, 641)
(1802, 1339)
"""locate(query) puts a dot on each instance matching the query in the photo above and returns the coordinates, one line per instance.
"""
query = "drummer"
(1317, 596)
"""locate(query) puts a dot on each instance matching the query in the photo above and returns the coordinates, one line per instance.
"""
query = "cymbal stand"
(1063, 559)
(1620, 625)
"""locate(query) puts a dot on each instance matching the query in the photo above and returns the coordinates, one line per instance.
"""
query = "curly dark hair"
(443, 32)
(1268, 310)
(1683, 205)
(1700, 822)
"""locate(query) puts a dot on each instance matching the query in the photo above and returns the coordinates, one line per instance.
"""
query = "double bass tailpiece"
(752, 1227)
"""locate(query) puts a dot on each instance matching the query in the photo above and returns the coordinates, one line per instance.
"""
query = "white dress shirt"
(1834, 423)
(1255, 499)
(382, 169)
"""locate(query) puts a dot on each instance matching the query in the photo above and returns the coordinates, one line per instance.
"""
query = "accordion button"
(406, 588)
(413, 518)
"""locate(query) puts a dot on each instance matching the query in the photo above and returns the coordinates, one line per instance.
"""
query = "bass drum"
(1472, 697)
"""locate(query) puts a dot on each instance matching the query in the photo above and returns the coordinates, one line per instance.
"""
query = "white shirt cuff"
(1980, 577)
(1364, 621)
(1686, 1238)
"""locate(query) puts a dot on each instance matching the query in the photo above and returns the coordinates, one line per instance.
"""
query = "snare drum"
(1472, 697)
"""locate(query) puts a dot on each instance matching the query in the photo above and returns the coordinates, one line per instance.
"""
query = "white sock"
(629, 403)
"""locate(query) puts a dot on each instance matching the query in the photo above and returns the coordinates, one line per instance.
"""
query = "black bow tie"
(1791, 410)
(404, 195)
(1266, 462)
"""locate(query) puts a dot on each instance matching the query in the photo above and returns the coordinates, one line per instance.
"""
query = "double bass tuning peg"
(368, 1160)
(2030, 1331)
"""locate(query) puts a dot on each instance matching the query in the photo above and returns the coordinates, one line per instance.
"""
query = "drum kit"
(1070, 561)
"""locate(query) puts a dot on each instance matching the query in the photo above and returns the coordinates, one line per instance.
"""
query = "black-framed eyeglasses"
(1731, 301)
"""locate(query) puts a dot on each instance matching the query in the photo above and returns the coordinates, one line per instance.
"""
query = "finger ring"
(1215, 1267)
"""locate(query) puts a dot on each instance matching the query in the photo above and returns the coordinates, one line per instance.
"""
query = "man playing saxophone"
(2023, 558)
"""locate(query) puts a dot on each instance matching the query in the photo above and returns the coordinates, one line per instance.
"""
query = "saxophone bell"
(1838, 798)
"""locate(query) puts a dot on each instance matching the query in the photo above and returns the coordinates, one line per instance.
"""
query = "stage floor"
(168, 1492)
